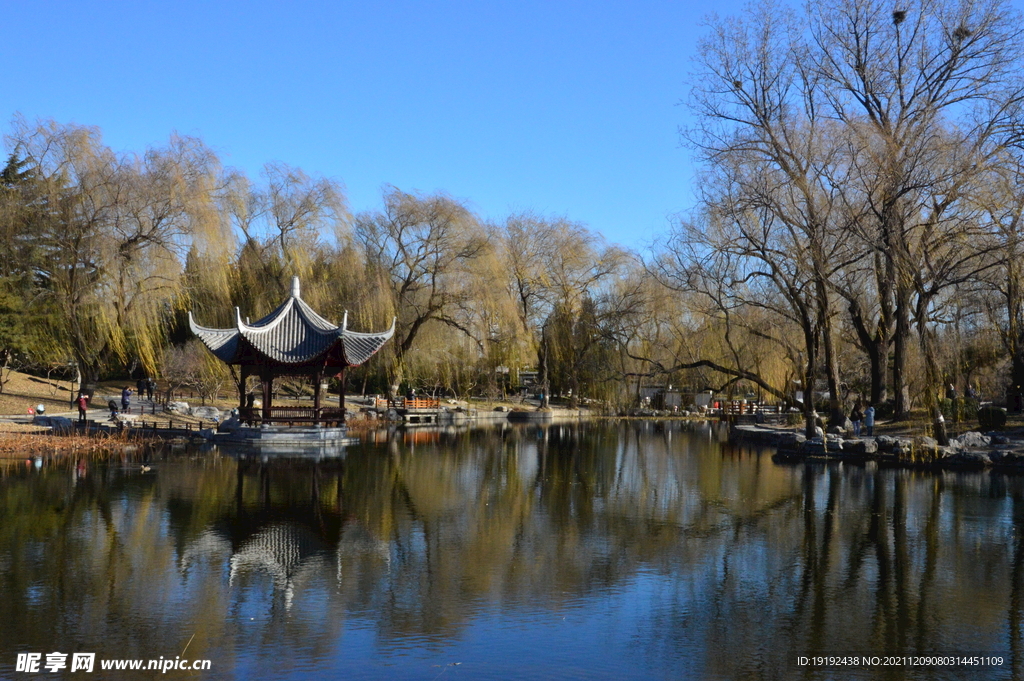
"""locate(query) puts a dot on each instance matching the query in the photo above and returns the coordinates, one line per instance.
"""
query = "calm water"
(597, 551)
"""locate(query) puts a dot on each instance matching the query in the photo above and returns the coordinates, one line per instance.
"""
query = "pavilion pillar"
(341, 394)
(241, 387)
(268, 391)
(318, 378)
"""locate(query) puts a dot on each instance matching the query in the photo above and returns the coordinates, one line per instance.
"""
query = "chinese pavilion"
(293, 340)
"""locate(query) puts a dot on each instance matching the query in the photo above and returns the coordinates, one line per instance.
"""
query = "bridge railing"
(408, 403)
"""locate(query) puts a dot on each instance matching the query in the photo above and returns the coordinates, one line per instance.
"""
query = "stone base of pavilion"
(282, 439)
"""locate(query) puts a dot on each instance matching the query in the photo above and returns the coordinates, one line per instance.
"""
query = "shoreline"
(999, 450)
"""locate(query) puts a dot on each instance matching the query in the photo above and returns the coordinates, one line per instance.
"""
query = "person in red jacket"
(83, 404)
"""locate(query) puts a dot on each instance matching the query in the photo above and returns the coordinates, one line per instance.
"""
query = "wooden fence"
(292, 415)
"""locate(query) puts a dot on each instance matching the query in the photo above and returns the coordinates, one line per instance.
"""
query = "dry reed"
(16, 445)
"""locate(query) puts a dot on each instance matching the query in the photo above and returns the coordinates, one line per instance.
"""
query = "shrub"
(991, 418)
(960, 408)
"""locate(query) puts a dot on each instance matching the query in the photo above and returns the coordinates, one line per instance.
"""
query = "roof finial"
(295, 287)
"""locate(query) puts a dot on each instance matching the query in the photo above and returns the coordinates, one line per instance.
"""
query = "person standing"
(856, 416)
(126, 400)
(150, 388)
(869, 420)
(83, 404)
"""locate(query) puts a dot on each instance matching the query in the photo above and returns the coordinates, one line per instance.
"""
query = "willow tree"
(283, 223)
(425, 249)
(112, 232)
(738, 310)
(554, 264)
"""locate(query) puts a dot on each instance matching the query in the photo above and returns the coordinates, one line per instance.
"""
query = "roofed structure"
(293, 335)
(291, 340)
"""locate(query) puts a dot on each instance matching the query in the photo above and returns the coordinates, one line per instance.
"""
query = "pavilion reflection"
(717, 549)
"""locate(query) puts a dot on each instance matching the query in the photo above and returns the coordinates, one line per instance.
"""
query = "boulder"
(967, 459)
(815, 447)
(59, 424)
(229, 425)
(834, 443)
(887, 444)
(860, 447)
(1007, 457)
(997, 456)
(178, 408)
(971, 440)
(904, 447)
(790, 440)
(207, 413)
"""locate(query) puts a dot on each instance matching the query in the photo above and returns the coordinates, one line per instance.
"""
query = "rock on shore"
(972, 450)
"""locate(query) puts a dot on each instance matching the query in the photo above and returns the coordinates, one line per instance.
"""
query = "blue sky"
(564, 108)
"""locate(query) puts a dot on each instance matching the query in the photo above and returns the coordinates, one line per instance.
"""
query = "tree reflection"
(733, 565)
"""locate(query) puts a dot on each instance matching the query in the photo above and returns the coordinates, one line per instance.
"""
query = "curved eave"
(292, 335)
(223, 343)
(360, 347)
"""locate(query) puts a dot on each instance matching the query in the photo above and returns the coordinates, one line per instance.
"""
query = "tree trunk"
(876, 347)
(546, 382)
(933, 383)
(810, 377)
(836, 417)
(901, 342)
(878, 360)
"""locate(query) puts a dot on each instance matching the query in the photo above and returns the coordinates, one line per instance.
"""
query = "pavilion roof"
(293, 334)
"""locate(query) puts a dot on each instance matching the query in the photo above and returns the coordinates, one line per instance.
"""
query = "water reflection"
(637, 550)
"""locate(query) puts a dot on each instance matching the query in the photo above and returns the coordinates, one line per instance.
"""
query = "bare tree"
(841, 126)
(895, 78)
(1002, 201)
(424, 248)
(773, 189)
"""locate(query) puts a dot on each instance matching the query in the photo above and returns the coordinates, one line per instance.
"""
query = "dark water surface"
(595, 551)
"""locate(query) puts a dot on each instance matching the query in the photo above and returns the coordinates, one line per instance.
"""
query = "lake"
(632, 550)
